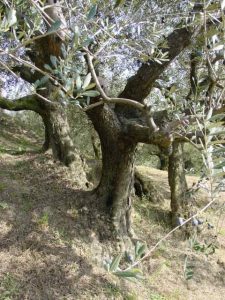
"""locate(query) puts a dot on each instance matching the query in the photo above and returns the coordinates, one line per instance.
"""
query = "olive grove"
(143, 71)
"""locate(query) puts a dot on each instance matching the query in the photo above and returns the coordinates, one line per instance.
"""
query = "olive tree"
(68, 48)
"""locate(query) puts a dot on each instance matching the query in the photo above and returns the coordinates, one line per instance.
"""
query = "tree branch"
(106, 99)
(140, 133)
(139, 86)
(25, 103)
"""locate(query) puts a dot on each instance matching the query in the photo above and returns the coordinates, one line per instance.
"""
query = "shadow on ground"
(54, 238)
(48, 230)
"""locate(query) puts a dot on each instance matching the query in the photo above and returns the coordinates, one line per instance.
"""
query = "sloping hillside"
(53, 242)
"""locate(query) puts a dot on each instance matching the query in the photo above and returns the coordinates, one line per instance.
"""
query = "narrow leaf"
(76, 36)
(137, 247)
(217, 132)
(217, 117)
(55, 26)
(87, 42)
(115, 263)
(218, 46)
(142, 250)
(11, 18)
(125, 274)
(87, 81)
(217, 142)
(47, 67)
(136, 271)
(213, 6)
(219, 174)
(44, 79)
(173, 89)
(90, 86)
(209, 115)
(92, 12)
(78, 83)
(53, 60)
(91, 93)
(220, 165)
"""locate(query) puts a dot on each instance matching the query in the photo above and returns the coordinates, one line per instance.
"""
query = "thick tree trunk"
(114, 189)
(177, 182)
(96, 146)
(57, 135)
(46, 145)
(163, 161)
(116, 183)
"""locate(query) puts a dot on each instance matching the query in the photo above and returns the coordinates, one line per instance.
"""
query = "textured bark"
(96, 146)
(58, 135)
(163, 161)
(116, 182)
(177, 182)
(47, 142)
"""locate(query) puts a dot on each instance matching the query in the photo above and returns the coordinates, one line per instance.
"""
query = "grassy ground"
(53, 241)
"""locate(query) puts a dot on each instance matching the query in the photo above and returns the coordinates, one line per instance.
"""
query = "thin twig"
(14, 74)
(91, 106)
(32, 66)
(107, 99)
(148, 254)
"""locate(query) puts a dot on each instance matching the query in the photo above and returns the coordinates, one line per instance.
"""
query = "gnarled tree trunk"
(116, 181)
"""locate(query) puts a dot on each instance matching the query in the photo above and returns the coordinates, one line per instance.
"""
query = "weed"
(9, 287)
(2, 150)
(156, 296)
(112, 290)
(43, 220)
(130, 297)
(188, 269)
(26, 202)
(62, 235)
(21, 164)
(222, 232)
(4, 205)
(2, 186)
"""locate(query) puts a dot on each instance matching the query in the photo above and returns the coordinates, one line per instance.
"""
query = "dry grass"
(53, 240)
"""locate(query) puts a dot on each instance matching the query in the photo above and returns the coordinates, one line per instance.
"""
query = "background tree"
(44, 50)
